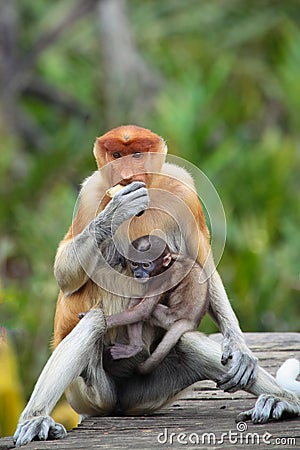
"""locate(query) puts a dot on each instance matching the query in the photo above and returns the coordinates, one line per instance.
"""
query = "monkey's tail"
(286, 376)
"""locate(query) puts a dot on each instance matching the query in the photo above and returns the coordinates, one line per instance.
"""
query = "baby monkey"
(179, 305)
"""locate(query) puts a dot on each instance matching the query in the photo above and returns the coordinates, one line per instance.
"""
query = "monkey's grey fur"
(95, 386)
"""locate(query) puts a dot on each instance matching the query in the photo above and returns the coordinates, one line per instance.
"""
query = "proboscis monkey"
(92, 278)
(177, 310)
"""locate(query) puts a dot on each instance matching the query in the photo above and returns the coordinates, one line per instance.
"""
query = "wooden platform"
(203, 418)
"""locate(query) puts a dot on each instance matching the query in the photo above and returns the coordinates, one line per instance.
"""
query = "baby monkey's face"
(148, 256)
(142, 270)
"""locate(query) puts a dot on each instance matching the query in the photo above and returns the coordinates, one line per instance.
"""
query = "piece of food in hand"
(114, 190)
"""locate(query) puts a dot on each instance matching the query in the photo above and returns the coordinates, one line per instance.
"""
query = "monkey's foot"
(119, 351)
(41, 428)
(269, 407)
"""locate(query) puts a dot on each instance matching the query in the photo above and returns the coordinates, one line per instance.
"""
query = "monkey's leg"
(67, 362)
(135, 337)
(166, 344)
(135, 332)
(273, 401)
(196, 358)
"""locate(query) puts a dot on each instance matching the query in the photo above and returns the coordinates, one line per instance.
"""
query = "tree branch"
(41, 90)
(130, 84)
(82, 7)
(21, 77)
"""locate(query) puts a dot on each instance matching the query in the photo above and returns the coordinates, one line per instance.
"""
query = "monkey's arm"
(138, 313)
(66, 363)
(242, 362)
(78, 255)
(135, 338)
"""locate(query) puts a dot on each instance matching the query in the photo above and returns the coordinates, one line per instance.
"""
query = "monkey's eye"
(134, 265)
(146, 265)
(137, 155)
(117, 155)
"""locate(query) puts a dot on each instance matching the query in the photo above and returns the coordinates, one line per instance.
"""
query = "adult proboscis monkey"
(85, 268)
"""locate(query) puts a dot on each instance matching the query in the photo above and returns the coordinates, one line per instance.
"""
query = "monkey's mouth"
(141, 176)
(142, 280)
(132, 180)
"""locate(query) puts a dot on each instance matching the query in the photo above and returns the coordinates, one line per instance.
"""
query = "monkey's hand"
(242, 365)
(127, 203)
(41, 428)
(269, 407)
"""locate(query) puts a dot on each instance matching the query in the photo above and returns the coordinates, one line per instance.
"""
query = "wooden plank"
(268, 341)
(204, 417)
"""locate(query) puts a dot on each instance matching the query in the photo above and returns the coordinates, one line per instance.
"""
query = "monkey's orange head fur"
(129, 140)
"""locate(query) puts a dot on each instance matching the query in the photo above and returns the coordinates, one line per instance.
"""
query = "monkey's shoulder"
(182, 270)
(93, 185)
(177, 175)
(92, 193)
(186, 262)
(179, 182)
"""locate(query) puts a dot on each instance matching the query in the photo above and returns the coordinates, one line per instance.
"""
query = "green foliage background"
(228, 101)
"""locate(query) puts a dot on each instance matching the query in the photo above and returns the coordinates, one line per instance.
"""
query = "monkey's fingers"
(134, 186)
(242, 379)
(263, 409)
(269, 407)
(286, 409)
(40, 428)
(231, 381)
(127, 203)
(244, 416)
(241, 375)
(226, 356)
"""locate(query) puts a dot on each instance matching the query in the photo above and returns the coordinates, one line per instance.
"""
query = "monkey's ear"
(167, 260)
(100, 152)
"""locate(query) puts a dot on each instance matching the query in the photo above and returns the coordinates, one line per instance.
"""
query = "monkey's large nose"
(127, 175)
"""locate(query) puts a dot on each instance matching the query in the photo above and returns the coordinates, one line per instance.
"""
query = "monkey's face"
(148, 256)
(142, 270)
(131, 154)
(126, 167)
